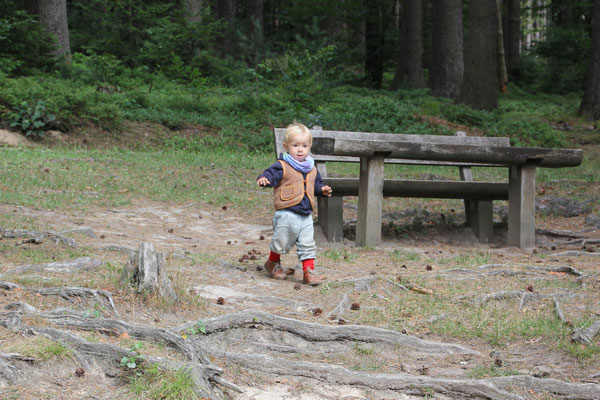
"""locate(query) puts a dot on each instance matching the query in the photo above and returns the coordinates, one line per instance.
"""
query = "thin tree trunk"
(226, 10)
(447, 66)
(502, 74)
(257, 27)
(409, 64)
(373, 43)
(53, 17)
(590, 105)
(480, 88)
(513, 38)
(193, 10)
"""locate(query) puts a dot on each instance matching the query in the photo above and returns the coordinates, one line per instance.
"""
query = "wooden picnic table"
(520, 161)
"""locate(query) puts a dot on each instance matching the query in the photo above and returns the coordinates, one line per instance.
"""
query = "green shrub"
(26, 47)
(32, 121)
(527, 132)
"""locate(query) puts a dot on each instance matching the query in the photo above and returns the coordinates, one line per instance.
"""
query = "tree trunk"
(373, 42)
(409, 64)
(502, 74)
(590, 105)
(53, 17)
(225, 10)
(513, 39)
(479, 88)
(257, 27)
(447, 67)
(193, 10)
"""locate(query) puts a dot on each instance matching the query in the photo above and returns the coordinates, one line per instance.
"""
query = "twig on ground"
(586, 336)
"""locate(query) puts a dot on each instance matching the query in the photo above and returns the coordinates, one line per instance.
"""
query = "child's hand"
(262, 181)
(326, 190)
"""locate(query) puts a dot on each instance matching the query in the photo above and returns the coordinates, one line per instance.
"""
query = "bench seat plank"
(437, 189)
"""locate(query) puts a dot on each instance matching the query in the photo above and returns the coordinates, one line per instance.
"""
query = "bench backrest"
(394, 137)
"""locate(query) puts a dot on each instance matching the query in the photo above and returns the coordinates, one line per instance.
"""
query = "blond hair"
(294, 130)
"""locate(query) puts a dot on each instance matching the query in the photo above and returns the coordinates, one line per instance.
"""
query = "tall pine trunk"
(53, 17)
(447, 67)
(480, 84)
(409, 64)
(373, 42)
(590, 105)
(226, 10)
(502, 72)
(513, 39)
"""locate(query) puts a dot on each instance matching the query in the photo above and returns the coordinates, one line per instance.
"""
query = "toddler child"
(296, 181)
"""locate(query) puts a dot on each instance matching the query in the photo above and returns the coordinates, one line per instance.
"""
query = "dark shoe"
(311, 279)
(290, 271)
(274, 269)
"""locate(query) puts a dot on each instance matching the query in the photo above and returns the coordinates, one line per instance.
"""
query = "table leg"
(370, 201)
(521, 206)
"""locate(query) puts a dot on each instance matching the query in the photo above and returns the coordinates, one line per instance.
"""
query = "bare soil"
(204, 244)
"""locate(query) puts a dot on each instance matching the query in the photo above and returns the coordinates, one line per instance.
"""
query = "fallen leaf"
(124, 336)
(123, 190)
(558, 273)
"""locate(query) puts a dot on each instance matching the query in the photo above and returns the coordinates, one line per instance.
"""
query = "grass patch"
(341, 254)
(155, 383)
(490, 371)
(475, 258)
(37, 254)
(401, 255)
(42, 349)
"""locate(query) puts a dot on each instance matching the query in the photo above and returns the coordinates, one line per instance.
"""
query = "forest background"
(233, 69)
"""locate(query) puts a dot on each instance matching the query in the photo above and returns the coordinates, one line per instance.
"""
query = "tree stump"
(146, 271)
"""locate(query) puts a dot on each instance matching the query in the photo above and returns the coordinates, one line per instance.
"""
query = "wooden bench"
(373, 150)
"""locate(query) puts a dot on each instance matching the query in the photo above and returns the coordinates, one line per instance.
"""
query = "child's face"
(298, 146)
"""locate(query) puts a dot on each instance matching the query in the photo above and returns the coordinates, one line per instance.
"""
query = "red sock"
(274, 257)
(310, 263)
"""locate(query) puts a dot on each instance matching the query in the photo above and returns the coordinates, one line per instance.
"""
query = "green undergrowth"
(241, 116)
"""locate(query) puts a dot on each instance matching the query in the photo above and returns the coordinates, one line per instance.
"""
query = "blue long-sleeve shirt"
(275, 173)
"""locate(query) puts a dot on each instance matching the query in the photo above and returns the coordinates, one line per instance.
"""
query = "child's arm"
(270, 176)
(320, 189)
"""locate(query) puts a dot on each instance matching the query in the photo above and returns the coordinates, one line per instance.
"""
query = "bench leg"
(521, 206)
(482, 220)
(370, 201)
(331, 217)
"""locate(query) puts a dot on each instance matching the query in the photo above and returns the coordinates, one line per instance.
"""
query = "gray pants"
(291, 229)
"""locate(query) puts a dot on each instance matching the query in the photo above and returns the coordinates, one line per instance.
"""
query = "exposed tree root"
(523, 296)
(338, 311)
(324, 333)
(558, 310)
(562, 268)
(202, 371)
(23, 233)
(78, 264)
(586, 336)
(494, 388)
(566, 390)
(573, 253)
(66, 292)
(560, 233)
(117, 327)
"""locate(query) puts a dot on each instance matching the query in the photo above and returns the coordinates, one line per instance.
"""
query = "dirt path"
(217, 253)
